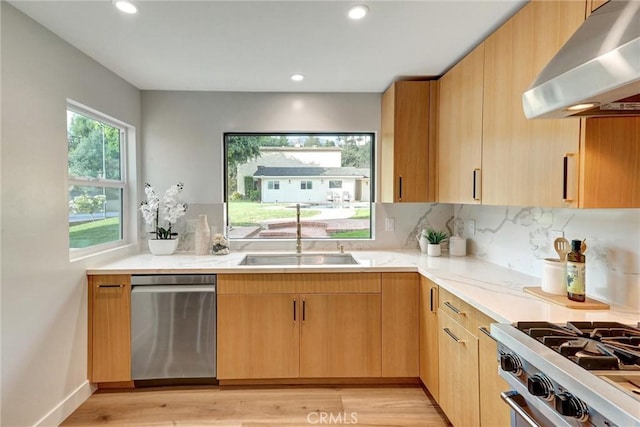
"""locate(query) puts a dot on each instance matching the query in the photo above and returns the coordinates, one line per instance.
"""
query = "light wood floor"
(268, 407)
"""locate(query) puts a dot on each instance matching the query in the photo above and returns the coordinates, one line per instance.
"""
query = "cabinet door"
(429, 335)
(109, 328)
(400, 325)
(258, 336)
(493, 411)
(523, 160)
(458, 382)
(610, 163)
(340, 335)
(460, 131)
(407, 154)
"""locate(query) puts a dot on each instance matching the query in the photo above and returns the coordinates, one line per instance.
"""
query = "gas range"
(577, 374)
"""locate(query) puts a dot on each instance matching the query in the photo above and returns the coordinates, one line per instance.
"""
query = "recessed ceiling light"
(578, 107)
(358, 12)
(297, 77)
(125, 6)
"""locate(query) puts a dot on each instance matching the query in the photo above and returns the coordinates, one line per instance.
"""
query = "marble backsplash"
(409, 219)
(520, 238)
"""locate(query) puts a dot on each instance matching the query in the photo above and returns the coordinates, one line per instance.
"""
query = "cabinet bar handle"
(565, 178)
(399, 188)
(111, 286)
(454, 309)
(455, 338)
(304, 310)
(431, 300)
(486, 332)
(294, 310)
(475, 184)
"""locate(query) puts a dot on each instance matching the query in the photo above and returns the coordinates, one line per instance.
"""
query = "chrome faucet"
(298, 231)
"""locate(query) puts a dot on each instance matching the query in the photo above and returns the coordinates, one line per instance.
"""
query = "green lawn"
(351, 234)
(246, 213)
(94, 233)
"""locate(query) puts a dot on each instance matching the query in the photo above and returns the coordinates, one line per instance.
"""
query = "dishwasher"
(173, 326)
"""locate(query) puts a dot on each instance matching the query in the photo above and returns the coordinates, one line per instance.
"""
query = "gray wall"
(183, 142)
(44, 294)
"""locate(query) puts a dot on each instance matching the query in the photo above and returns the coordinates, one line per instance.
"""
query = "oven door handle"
(509, 397)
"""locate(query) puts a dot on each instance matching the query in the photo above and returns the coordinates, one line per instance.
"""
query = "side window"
(306, 185)
(96, 179)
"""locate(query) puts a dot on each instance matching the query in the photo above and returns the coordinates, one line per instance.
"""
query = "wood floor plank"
(261, 407)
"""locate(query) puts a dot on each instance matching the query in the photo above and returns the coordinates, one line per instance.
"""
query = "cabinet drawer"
(311, 283)
(458, 310)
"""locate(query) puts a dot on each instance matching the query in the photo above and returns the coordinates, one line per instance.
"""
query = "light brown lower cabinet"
(258, 336)
(400, 325)
(340, 336)
(429, 335)
(299, 326)
(469, 380)
(458, 388)
(109, 327)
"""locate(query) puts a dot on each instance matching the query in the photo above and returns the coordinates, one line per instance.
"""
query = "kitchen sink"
(299, 259)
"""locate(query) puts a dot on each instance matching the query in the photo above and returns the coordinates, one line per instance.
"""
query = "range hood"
(598, 67)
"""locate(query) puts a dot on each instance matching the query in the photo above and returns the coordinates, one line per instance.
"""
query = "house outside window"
(330, 175)
(96, 180)
(273, 185)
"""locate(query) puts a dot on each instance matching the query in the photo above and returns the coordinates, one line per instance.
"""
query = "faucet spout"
(298, 230)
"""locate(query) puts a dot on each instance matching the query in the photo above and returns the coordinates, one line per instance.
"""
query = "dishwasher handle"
(147, 289)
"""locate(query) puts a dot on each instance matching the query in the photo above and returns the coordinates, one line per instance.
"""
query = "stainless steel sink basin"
(299, 259)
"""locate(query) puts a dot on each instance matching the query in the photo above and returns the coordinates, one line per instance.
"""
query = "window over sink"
(330, 175)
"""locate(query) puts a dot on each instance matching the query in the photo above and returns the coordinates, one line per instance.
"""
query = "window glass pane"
(94, 215)
(94, 148)
(329, 175)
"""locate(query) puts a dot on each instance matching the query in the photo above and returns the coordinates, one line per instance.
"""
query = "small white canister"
(554, 276)
(457, 246)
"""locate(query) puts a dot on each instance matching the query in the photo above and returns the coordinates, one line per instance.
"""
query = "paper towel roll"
(457, 246)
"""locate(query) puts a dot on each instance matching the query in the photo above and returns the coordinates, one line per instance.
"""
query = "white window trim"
(127, 160)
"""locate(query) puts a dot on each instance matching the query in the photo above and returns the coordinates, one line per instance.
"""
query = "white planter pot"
(163, 246)
(434, 249)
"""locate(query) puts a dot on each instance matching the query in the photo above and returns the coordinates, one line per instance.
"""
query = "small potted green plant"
(434, 237)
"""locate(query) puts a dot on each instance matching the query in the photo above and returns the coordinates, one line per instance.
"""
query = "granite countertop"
(494, 290)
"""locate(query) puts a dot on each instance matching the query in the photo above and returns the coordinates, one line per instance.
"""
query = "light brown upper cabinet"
(595, 4)
(408, 142)
(523, 161)
(460, 131)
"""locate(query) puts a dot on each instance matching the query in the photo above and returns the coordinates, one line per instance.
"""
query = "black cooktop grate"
(592, 345)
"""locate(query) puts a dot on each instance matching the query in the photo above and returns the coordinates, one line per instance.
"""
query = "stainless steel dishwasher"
(173, 326)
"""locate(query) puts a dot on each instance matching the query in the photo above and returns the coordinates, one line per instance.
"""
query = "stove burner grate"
(591, 345)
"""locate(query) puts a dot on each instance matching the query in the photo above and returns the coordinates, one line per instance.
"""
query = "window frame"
(273, 184)
(372, 178)
(306, 184)
(123, 184)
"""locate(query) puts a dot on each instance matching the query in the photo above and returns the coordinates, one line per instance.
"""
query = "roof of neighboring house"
(347, 171)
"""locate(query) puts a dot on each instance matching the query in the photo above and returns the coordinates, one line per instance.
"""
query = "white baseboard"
(65, 408)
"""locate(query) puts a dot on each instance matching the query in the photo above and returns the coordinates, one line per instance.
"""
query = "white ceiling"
(257, 45)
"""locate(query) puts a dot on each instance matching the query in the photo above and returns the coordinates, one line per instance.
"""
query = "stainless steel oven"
(578, 374)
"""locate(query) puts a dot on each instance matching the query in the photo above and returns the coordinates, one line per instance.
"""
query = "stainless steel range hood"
(599, 65)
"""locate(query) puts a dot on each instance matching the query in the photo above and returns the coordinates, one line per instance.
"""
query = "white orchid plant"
(169, 209)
